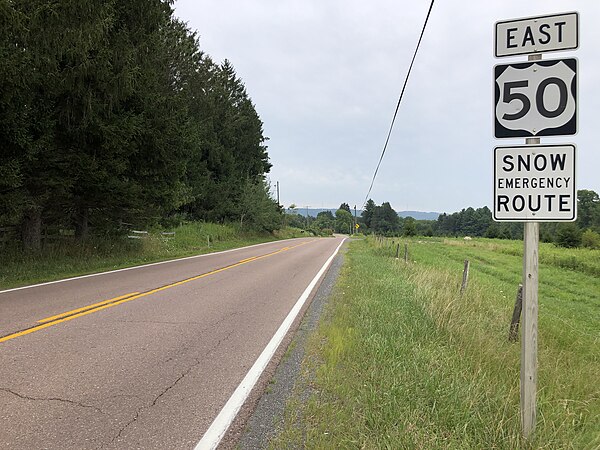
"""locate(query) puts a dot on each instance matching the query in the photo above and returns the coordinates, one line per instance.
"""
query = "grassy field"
(68, 258)
(402, 361)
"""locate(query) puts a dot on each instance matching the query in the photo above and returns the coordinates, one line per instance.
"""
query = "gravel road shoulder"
(266, 418)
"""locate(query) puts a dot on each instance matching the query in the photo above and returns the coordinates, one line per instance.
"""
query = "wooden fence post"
(398, 251)
(513, 333)
(465, 279)
(405, 252)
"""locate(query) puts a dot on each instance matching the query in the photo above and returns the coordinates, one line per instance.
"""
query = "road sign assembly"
(535, 183)
(536, 98)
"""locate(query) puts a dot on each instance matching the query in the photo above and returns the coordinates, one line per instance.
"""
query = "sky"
(325, 77)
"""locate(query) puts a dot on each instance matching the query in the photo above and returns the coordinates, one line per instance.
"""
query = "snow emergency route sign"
(535, 183)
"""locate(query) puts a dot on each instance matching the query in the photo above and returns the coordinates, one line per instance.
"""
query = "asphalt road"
(154, 361)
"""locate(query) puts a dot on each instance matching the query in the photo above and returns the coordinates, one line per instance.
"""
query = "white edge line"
(142, 266)
(222, 422)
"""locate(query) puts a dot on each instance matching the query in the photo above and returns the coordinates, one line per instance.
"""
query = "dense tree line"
(383, 220)
(325, 223)
(474, 222)
(110, 113)
(478, 222)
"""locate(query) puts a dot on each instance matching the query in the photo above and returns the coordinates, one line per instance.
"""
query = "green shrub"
(590, 239)
(568, 235)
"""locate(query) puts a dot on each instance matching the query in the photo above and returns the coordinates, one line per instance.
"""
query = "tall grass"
(584, 260)
(67, 257)
(402, 360)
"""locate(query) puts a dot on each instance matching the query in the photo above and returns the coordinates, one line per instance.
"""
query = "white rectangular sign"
(535, 183)
(537, 34)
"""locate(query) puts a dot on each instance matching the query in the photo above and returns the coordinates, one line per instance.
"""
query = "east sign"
(535, 183)
(537, 34)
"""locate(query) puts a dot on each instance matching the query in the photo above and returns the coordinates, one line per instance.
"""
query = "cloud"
(325, 78)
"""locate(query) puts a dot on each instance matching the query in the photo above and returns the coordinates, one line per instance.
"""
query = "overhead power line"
(398, 105)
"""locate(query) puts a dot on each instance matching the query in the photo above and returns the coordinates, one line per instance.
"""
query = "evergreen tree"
(367, 214)
(109, 111)
(257, 209)
(345, 207)
(568, 235)
(232, 147)
(16, 110)
(385, 220)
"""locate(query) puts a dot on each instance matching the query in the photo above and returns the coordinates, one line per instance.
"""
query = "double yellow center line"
(89, 309)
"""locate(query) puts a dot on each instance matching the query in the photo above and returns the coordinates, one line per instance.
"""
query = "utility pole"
(354, 228)
(278, 204)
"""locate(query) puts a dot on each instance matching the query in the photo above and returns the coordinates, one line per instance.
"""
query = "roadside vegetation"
(473, 222)
(112, 115)
(67, 257)
(402, 360)
(325, 223)
(133, 127)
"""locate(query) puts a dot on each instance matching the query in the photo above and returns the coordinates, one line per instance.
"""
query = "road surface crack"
(51, 399)
(154, 402)
(167, 389)
(219, 342)
(190, 345)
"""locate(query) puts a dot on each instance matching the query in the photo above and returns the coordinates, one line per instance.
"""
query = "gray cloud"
(325, 78)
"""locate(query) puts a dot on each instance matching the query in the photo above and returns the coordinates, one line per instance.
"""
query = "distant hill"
(418, 215)
(314, 211)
